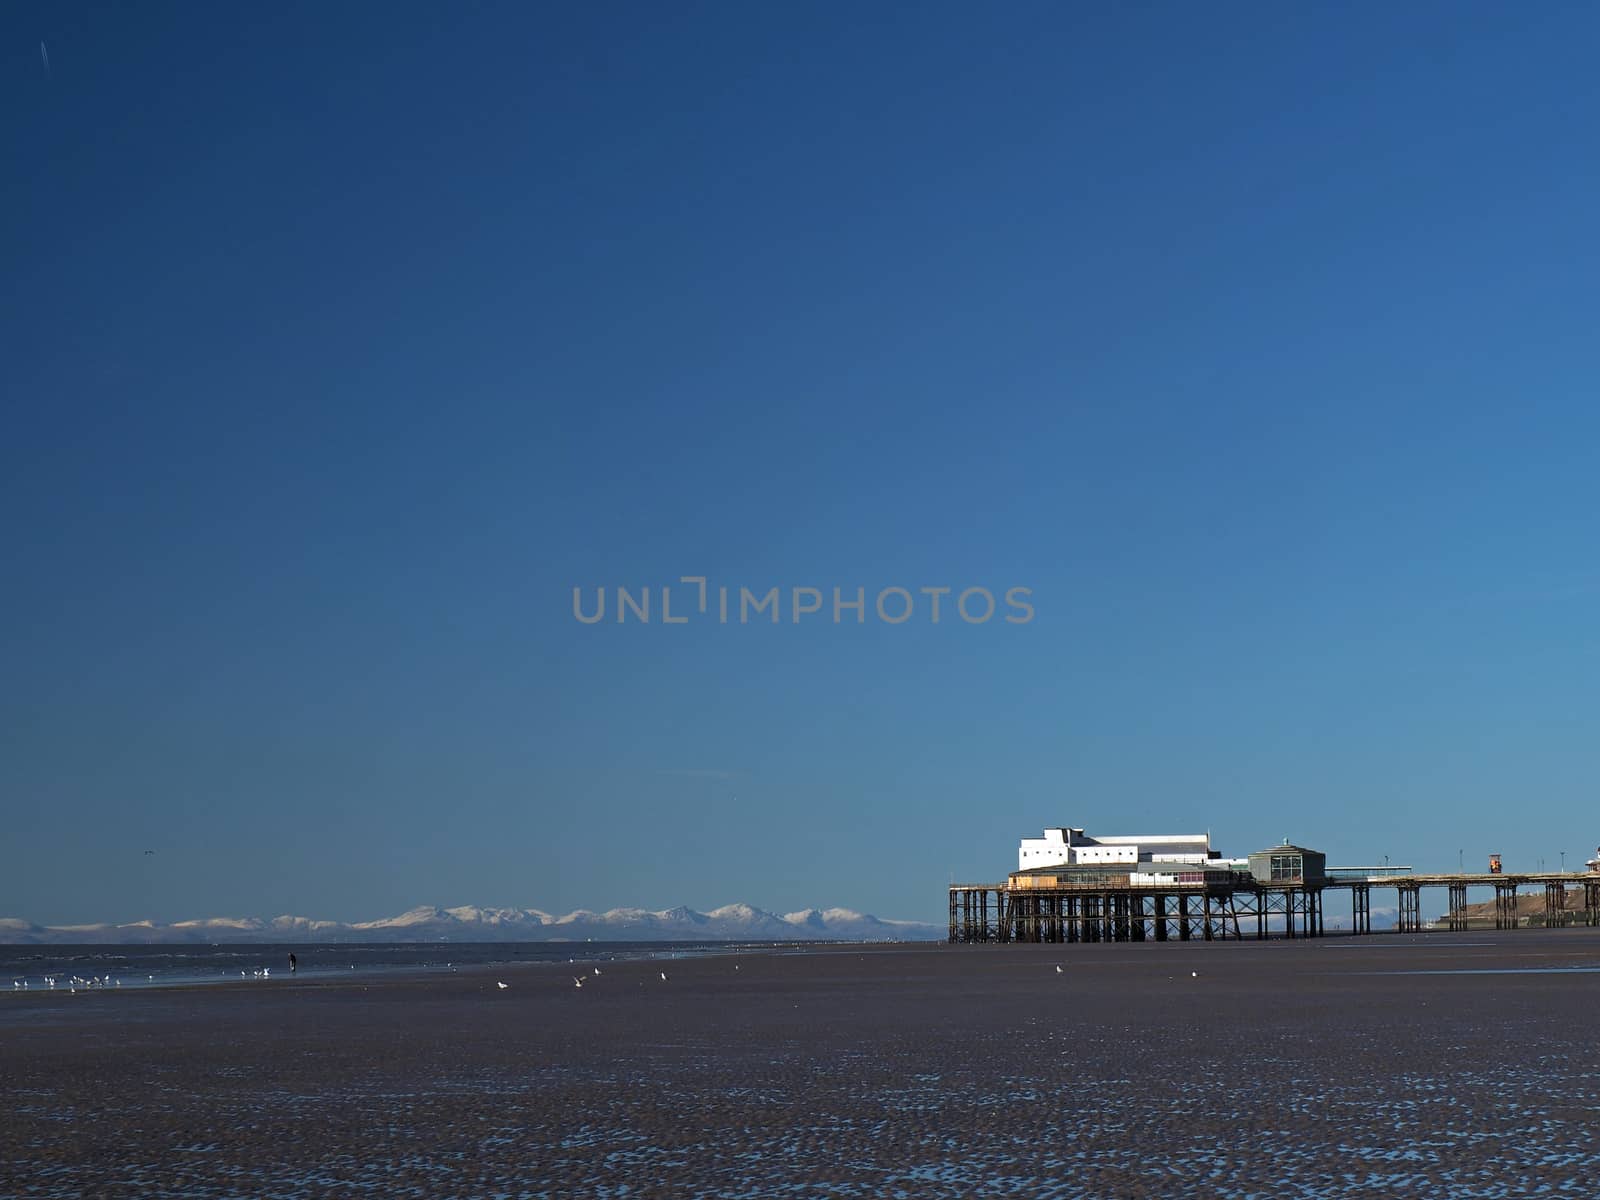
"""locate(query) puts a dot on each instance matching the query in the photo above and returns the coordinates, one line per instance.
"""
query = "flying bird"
(502, 986)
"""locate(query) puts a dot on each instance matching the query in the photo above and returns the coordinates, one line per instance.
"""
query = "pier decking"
(1125, 912)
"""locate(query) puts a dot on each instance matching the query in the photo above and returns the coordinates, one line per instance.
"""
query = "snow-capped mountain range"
(732, 923)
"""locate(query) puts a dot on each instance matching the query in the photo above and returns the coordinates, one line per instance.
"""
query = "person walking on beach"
(291, 962)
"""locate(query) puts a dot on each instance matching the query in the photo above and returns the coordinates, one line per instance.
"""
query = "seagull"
(1194, 974)
(1058, 968)
(663, 977)
(502, 986)
(577, 980)
(597, 970)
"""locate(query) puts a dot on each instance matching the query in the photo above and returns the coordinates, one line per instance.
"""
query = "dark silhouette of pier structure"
(1028, 908)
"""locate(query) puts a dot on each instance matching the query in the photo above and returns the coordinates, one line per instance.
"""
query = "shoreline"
(34, 966)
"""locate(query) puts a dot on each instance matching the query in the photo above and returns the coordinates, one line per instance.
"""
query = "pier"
(1040, 907)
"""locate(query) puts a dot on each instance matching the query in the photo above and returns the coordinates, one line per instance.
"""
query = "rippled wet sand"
(1282, 1070)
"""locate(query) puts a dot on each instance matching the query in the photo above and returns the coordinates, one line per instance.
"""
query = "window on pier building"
(1286, 868)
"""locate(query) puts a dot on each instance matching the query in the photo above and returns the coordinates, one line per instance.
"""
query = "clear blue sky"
(341, 342)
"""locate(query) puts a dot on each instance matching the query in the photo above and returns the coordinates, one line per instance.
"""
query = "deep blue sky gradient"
(341, 342)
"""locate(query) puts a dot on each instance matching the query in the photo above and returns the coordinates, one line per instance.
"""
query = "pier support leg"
(1361, 908)
(1410, 920)
(1505, 906)
(1555, 905)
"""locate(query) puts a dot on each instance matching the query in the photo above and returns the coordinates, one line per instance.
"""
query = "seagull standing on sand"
(1058, 968)
(663, 977)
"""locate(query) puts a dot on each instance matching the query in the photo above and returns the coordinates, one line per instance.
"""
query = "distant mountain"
(730, 923)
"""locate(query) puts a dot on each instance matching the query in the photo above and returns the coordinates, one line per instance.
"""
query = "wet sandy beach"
(1344, 1067)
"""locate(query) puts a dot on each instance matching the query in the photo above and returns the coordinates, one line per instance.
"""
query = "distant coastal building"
(1072, 847)
(1069, 856)
(1288, 864)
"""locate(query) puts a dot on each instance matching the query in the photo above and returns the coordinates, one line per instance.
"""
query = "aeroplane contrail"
(44, 56)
